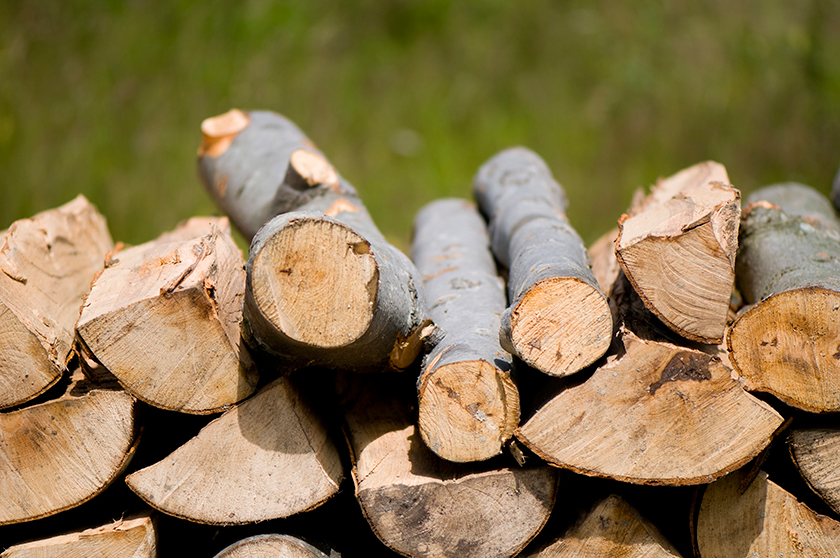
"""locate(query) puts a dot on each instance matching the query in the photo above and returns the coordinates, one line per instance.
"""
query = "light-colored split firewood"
(658, 414)
(678, 250)
(815, 452)
(468, 403)
(267, 458)
(59, 454)
(129, 538)
(787, 342)
(47, 264)
(558, 320)
(605, 266)
(271, 546)
(611, 528)
(165, 318)
(764, 520)
(422, 506)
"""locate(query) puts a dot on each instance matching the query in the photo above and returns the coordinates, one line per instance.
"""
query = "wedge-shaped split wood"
(468, 403)
(271, 546)
(267, 458)
(165, 319)
(324, 286)
(787, 343)
(47, 264)
(558, 320)
(659, 414)
(815, 452)
(761, 519)
(59, 454)
(678, 248)
(129, 538)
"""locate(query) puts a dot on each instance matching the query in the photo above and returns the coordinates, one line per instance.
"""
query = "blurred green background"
(408, 97)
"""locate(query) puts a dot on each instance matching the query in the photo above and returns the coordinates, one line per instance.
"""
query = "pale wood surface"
(605, 266)
(271, 546)
(816, 452)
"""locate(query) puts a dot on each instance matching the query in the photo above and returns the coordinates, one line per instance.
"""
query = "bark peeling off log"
(815, 453)
(612, 425)
(271, 546)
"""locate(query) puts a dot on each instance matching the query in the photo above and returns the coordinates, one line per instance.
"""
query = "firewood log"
(656, 414)
(468, 404)
(267, 458)
(835, 191)
(678, 248)
(605, 266)
(815, 451)
(611, 528)
(324, 286)
(558, 320)
(61, 453)
(164, 318)
(763, 520)
(46, 266)
(422, 506)
(133, 537)
(271, 546)
(787, 343)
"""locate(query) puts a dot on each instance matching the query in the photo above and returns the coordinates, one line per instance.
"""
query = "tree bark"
(271, 546)
(815, 452)
(47, 263)
(558, 320)
(468, 403)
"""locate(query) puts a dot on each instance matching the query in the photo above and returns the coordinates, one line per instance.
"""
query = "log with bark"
(787, 343)
(271, 546)
(47, 263)
(815, 451)
(835, 191)
(324, 286)
(468, 403)
(558, 320)
(165, 318)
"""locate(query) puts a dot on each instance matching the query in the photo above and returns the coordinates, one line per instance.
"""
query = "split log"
(678, 250)
(422, 506)
(271, 546)
(558, 320)
(47, 264)
(324, 286)
(605, 266)
(656, 414)
(60, 454)
(134, 537)
(815, 451)
(611, 528)
(762, 520)
(787, 343)
(468, 403)
(164, 318)
(267, 458)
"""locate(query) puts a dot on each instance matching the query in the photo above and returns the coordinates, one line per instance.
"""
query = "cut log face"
(611, 528)
(815, 452)
(763, 521)
(270, 457)
(678, 251)
(468, 404)
(612, 424)
(134, 538)
(164, 318)
(420, 505)
(558, 320)
(271, 546)
(47, 264)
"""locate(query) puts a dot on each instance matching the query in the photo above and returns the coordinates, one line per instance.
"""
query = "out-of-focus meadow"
(408, 97)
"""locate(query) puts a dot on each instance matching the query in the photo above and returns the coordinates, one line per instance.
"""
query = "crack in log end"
(684, 366)
(450, 393)
(837, 354)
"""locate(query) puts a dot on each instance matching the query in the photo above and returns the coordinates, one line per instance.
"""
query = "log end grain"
(218, 132)
(270, 546)
(814, 451)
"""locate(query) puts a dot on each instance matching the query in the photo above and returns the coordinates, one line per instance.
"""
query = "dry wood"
(468, 404)
(420, 505)
(611, 528)
(129, 538)
(835, 191)
(815, 452)
(764, 520)
(59, 454)
(558, 320)
(656, 414)
(787, 342)
(271, 546)
(164, 318)
(605, 266)
(269, 457)
(678, 250)
(46, 266)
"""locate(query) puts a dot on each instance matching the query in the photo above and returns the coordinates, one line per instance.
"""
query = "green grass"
(408, 98)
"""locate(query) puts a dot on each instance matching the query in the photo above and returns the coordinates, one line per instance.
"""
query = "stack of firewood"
(503, 392)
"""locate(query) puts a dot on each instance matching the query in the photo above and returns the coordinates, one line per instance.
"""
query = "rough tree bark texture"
(815, 452)
(788, 268)
(271, 546)
(46, 266)
(165, 319)
(324, 286)
(558, 320)
(468, 404)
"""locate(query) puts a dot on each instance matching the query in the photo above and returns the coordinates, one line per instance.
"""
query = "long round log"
(271, 546)
(558, 320)
(468, 403)
(816, 452)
